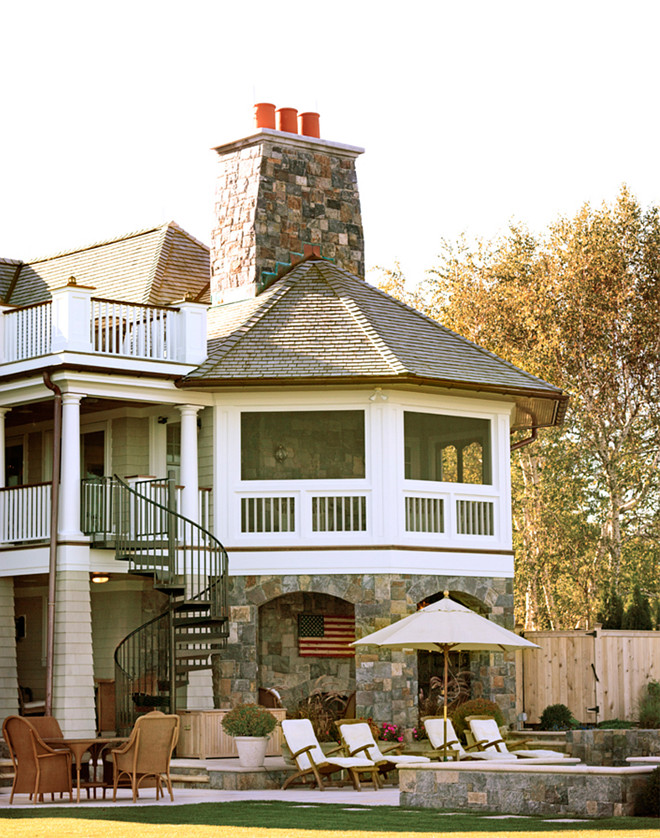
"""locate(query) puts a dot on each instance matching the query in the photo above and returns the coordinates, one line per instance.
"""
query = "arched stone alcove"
(286, 667)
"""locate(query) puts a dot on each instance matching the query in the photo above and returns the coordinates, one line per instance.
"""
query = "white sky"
(472, 113)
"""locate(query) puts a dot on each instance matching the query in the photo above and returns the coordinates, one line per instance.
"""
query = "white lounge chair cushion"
(299, 733)
(357, 735)
(487, 730)
(435, 729)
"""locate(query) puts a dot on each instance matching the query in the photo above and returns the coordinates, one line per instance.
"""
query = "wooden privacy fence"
(598, 675)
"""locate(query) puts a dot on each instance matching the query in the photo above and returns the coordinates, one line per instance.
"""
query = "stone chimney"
(282, 195)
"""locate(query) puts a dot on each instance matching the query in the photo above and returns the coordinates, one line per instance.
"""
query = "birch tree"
(580, 307)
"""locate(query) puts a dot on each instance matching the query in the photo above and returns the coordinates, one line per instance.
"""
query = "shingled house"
(349, 454)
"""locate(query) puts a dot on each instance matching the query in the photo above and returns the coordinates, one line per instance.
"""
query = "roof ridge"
(159, 265)
(366, 327)
(474, 345)
(278, 291)
(93, 245)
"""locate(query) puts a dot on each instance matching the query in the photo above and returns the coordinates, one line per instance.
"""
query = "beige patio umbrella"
(446, 626)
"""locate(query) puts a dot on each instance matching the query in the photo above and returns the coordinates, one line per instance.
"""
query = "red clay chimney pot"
(264, 115)
(287, 120)
(309, 124)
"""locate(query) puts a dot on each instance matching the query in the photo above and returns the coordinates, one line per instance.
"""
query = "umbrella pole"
(444, 754)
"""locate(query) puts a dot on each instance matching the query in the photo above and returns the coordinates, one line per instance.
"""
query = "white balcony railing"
(74, 321)
(25, 513)
(443, 513)
(25, 510)
(435, 517)
(306, 511)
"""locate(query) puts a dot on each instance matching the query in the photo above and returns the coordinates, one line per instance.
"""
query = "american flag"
(325, 637)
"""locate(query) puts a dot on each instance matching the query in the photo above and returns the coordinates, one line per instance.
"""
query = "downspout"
(52, 564)
(526, 441)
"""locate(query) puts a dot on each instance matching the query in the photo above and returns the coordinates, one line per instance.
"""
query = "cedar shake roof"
(158, 265)
(321, 324)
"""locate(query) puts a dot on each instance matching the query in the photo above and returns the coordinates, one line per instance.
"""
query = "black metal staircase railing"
(187, 563)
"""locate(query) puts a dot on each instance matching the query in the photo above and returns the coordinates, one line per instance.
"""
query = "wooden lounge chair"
(145, 758)
(38, 768)
(358, 740)
(452, 748)
(488, 739)
(313, 763)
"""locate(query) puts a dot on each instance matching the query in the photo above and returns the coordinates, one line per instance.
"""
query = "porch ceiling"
(43, 411)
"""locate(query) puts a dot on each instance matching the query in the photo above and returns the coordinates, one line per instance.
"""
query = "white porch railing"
(25, 513)
(74, 321)
(138, 331)
(27, 331)
(331, 513)
(445, 514)
(25, 510)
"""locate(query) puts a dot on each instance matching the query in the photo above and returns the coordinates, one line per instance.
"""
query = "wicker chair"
(38, 769)
(145, 758)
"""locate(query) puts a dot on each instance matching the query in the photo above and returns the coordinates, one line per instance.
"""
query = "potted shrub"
(250, 727)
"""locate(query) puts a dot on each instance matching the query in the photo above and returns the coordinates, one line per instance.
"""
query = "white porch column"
(189, 471)
(69, 518)
(73, 675)
(8, 668)
(3, 412)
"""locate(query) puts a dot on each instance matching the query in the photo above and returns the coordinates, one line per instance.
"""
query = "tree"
(637, 615)
(580, 307)
(611, 609)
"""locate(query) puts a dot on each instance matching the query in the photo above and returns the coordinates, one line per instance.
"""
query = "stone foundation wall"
(611, 747)
(261, 650)
(577, 792)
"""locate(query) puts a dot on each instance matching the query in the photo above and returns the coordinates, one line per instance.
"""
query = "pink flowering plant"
(391, 733)
(419, 733)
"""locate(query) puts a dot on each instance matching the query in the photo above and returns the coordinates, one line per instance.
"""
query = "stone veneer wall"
(574, 791)
(274, 195)
(611, 747)
(385, 681)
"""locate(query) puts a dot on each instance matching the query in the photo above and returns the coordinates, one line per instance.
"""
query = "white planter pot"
(251, 750)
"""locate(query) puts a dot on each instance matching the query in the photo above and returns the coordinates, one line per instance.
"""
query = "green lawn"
(257, 819)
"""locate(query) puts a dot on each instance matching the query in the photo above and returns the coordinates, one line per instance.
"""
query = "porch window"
(173, 450)
(303, 445)
(449, 449)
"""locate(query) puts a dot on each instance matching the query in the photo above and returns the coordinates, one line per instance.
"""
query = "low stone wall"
(611, 747)
(572, 791)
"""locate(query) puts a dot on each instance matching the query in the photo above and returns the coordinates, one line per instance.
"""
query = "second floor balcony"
(74, 321)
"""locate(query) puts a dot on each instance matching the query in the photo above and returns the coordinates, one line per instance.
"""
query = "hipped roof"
(154, 266)
(320, 324)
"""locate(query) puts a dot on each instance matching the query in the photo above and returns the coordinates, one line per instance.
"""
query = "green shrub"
(249, 720)
(557, 717)
(475, 707)
(649, 706)
(615, 724)
(648, 802)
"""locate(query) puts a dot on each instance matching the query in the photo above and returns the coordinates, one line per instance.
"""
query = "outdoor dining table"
(79, 747)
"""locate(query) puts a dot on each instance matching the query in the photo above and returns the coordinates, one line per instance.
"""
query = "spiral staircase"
(187, 563)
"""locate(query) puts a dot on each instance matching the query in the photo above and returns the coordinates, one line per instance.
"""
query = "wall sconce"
(162, 420)
(280, 454)
(377, 394)
(100, 578)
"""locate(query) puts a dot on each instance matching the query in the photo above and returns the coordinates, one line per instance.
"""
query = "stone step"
(190, 781)
(6, 772)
